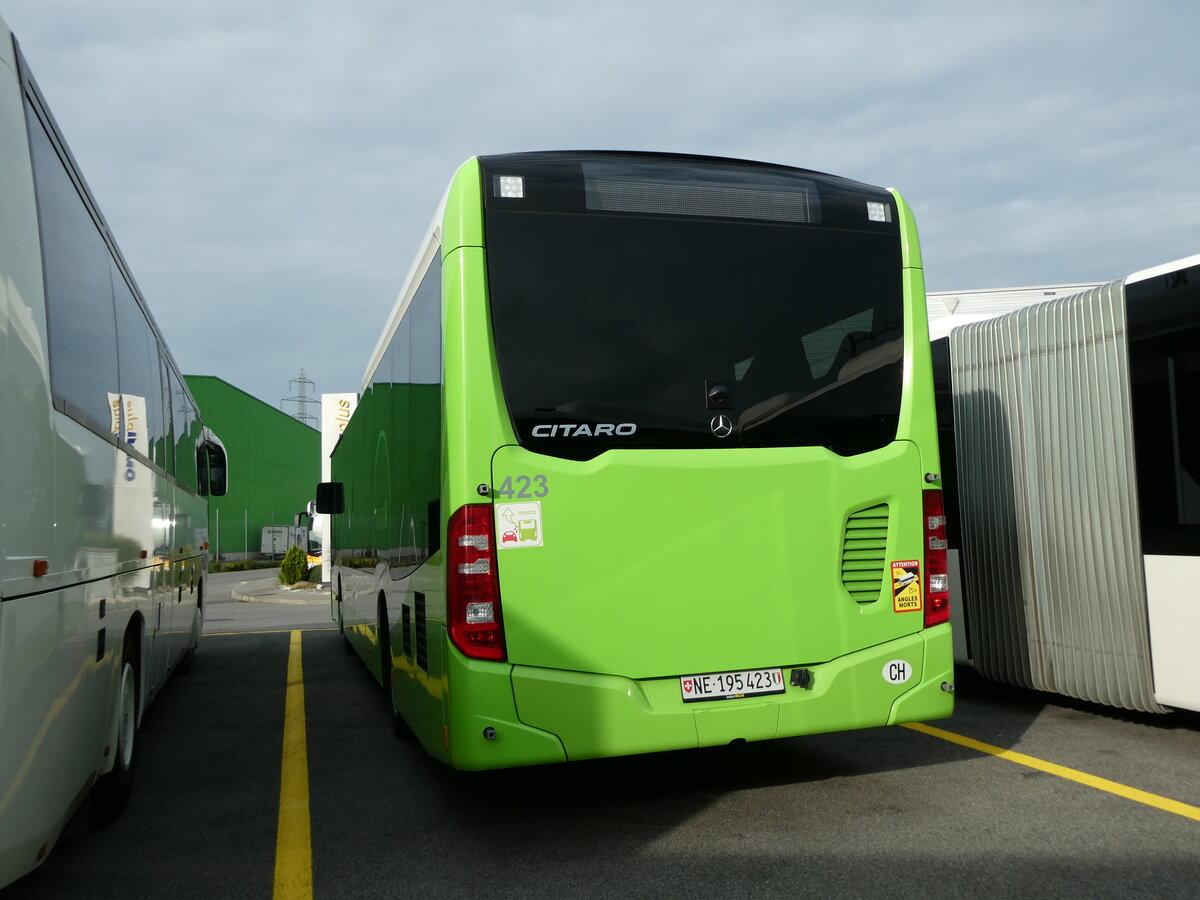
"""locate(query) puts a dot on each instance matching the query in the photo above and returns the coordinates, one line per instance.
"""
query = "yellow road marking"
(275, 631)
(1093, 781)
(293, 841)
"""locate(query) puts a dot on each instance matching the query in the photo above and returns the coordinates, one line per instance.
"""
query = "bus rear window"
(661, 302)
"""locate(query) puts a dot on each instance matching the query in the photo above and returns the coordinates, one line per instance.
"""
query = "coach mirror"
(330, 497)
(212, 465)
(218, 471)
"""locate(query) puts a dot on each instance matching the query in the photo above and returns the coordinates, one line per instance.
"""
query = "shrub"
(241, 565)
(294, 566)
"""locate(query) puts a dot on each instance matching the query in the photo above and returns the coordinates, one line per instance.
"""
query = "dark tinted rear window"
(1164, 360)
(636, 300)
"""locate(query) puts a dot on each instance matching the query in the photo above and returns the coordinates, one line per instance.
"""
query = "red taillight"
(472, 591)
(937, 579)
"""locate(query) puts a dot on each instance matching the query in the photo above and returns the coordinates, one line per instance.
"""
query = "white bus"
(1070, 437)
(103, 510)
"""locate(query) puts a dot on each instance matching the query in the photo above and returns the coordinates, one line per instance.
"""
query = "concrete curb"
(269, 590)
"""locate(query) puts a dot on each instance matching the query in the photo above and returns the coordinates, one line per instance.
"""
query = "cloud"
(270, 168)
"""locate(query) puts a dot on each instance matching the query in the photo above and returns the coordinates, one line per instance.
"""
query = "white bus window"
(187, 433)
(140, 376)
(79, 298)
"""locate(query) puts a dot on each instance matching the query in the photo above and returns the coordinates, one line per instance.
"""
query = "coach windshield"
(662, 302)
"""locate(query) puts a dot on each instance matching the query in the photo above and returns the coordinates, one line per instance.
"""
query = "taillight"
(937, 579)
(472, 591)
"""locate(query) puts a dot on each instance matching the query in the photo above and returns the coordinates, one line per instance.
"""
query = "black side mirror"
(212, 468)
(331, 497)
(218, 473)
(212, 465)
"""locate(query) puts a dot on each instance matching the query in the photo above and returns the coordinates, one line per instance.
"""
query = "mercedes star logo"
(721, 426)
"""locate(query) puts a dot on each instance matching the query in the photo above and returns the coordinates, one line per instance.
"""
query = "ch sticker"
(896, 671)
(906, 585)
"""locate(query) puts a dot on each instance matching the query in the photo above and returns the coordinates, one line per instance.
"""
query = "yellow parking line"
(293, 841)
(1093, 781)
(275, 631)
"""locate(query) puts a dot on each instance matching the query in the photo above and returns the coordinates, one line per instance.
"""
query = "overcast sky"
(270, 167)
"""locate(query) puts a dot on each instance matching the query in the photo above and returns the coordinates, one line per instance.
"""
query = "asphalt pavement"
(256, 601)
(263, 586)
(886, 812)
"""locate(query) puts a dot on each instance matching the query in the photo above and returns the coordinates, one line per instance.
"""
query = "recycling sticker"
(519, 524)
(906, 585)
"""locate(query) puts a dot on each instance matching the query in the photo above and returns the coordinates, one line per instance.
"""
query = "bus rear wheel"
(112, 790)
(399, 725)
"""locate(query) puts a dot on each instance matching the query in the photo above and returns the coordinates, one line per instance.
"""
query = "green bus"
(646, 459)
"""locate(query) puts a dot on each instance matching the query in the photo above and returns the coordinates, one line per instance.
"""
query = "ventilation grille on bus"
(864, 551)
(422, 631)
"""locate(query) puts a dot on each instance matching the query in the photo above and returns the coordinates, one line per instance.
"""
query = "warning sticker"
(519, 524)
(906, 585)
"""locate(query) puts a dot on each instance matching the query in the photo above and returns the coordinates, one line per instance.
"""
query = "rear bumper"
(561, 715)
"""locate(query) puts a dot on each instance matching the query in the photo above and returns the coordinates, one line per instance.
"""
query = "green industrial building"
(274, 465)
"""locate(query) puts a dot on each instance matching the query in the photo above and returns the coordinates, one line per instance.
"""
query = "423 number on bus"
(730, 685)
(522, 487)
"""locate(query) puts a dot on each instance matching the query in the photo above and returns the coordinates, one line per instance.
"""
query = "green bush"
(241, 565)
(294, 566)
(358, 562)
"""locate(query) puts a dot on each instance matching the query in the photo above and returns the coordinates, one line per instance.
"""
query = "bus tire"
(346, 645)
(399, 725)
(112, 790)
(185, 662)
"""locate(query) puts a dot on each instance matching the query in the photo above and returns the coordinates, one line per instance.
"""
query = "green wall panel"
(274, 464)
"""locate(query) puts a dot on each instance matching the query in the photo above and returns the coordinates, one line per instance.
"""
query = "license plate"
(730, 685)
